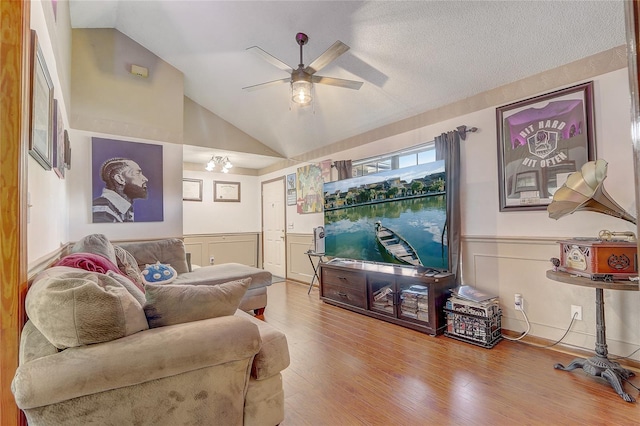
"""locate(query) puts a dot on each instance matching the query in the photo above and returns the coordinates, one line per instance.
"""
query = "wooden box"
(597, 259)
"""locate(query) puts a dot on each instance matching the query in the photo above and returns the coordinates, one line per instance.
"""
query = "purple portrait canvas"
(149, 159)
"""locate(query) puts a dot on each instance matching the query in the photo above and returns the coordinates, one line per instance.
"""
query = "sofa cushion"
(96, 244)
(131, 287)
(72, 307)
(170, 251)
(216, 274)
(33, 344)
(274, 353)
(169, 304)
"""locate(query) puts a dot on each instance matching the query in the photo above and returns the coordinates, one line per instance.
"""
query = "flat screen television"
(396, 216)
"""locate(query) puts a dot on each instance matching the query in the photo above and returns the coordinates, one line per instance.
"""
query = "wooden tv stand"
(399, 294)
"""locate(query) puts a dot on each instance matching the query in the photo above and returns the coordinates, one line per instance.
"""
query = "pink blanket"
(89, 262)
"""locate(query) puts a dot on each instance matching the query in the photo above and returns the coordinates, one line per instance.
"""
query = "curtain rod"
(462, 131)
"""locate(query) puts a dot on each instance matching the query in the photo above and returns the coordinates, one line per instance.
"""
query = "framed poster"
(41, 113)
(127, 181)
(291, 189)
(226, 191)
(192, 189)
(541, 141)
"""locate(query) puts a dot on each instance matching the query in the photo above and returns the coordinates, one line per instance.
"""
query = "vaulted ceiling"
(412, 56)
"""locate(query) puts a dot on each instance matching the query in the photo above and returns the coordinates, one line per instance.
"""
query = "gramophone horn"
(584, 190)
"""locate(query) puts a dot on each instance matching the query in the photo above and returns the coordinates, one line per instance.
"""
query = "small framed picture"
(226, 191)
(58, 141)
(291, 189)
(192, 189)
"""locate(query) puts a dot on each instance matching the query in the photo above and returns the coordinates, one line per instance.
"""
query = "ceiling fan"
(302, 78)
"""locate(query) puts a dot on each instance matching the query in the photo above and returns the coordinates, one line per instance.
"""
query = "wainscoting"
(298, 265)
(506, 266)
(224, 248)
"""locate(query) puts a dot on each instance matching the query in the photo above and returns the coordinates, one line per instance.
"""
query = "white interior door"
(273, 227)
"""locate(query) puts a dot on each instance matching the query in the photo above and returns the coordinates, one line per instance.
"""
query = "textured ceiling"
(412, 56)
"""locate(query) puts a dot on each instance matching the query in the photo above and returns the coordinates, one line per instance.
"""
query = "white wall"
(209, 217)
(47, 227)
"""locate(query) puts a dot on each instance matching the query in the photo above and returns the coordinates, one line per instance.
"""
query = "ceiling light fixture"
(223, 162)
(301, 91)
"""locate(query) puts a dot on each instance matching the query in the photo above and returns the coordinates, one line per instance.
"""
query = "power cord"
(524, 333)
(573, 318)
(615, 358)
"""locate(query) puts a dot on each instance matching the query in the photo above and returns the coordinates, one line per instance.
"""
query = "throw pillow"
(176, 304)
(158, 273)
(73, 307)
(131, 287)
(96, 244)
(129, 266)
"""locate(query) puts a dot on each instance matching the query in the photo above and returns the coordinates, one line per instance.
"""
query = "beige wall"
(204, 128)
(107, 98)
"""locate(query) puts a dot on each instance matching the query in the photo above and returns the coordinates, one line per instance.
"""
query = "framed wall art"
(541, 141)
(41, 112)
(226, 191)
(192, 189)
(59, 147)
(126, 181)
(67, 151)
(291, 189)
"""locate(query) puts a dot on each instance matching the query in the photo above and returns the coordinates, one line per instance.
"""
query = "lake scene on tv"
(396, 216)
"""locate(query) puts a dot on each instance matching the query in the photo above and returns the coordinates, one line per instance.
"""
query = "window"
(421, 154)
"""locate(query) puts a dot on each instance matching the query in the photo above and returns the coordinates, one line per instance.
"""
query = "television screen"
(396, 216)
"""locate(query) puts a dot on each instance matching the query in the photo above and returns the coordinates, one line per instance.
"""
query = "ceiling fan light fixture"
(301, 92)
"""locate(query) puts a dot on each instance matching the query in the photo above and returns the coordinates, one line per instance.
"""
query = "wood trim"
(14, 46)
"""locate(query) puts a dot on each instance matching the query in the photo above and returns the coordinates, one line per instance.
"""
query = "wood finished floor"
(349, 369)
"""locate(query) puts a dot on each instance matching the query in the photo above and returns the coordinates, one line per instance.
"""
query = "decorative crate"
(479, 330)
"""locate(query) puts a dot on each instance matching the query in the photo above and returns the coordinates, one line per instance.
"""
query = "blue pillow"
(158, 273)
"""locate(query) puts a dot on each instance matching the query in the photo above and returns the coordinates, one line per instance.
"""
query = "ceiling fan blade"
(347, 84)
(329, 55)
(268, 83)
(271, 59)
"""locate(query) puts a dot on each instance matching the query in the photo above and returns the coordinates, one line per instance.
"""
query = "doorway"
(273, 227)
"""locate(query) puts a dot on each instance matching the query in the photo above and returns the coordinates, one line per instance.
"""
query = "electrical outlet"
(211, 260)
(577, 311)
(518, 302)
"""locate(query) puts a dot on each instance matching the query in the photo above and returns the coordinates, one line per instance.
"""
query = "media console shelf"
(405, 295)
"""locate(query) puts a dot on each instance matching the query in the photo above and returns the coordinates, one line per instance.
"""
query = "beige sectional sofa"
(172, 251)
(96, 350)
